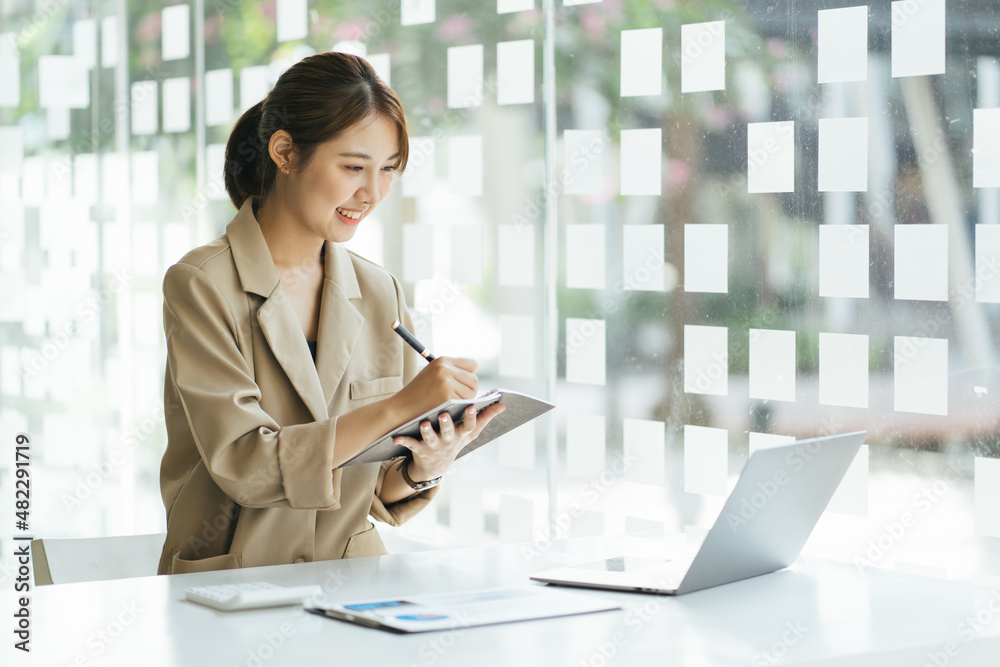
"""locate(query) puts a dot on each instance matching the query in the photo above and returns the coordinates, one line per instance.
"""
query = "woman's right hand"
(441, 380)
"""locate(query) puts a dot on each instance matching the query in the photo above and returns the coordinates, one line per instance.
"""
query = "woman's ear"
(282, 150)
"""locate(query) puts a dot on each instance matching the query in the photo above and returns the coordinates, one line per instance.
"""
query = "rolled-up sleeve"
(253, 459)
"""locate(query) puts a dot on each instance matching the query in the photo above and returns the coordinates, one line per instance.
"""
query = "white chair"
(66, 561)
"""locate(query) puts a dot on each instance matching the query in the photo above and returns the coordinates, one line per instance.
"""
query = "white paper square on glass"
(771, 157)
(585, 256)
(703, 56)
(465, 76)
(219, 97)
(176, 33)
(11, 150)
(145, 186)
(516, 518)
(515, 255)
(585, 445)
(772, 364)
(58, 178)
(921, 266)
(215, 162)
(516, 449)
(109, 41)
(10, 72)
(467, 254)
(843, 154)
(988, 263)
(987, 496)
(641, 162)
(706, 258)
(642, 62)
(920, 378)
(465, 512)
(516, 72)
(292, 20)
(643, 258)
(253, 86)
(918, 37)
(85, 42)
(145, 108)
(986, 148)
(843, 261)
(465, 165)
(144, 254)
(418, 260)
(508, 6)
(643, 442)
(585, 351)
(382, 64)
(842, 38)
(517, 346)
(418, 179)
(584, 154)
(767, 440)
(851, 496)
(843, 369)
(64, 82)
(706, 360)
(177, 104)
(415, 12)
(57, 123)
(706, 453)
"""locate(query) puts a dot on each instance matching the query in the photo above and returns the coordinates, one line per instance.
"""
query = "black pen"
(413, 342)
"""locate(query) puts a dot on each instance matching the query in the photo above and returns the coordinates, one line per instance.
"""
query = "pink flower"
(352, 30)
(592, 23)
(454, 27)
(678, 173)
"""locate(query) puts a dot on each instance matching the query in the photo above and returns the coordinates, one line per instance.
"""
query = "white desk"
(815, 611)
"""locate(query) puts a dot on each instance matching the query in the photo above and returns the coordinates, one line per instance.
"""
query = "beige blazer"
(247, 477)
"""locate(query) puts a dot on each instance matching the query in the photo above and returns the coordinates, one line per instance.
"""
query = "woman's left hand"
(435, 451)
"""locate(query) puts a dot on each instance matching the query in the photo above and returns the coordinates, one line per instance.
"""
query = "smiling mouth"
(353, 215)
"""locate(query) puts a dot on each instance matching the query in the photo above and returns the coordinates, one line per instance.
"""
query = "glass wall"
(699, 228)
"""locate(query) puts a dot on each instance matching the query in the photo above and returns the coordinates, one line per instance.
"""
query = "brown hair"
(314, 100)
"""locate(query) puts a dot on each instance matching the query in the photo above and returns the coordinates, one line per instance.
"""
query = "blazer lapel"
(340, 322)
(276, 317)
(288, 344)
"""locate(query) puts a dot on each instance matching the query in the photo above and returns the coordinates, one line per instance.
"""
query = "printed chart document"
(518, 409)
(428, 613)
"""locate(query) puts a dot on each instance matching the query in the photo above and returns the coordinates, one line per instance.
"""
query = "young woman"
(281, 361)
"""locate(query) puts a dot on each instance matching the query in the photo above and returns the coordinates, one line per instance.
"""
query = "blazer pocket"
(378, 387)
(180, 565)
(365, 543)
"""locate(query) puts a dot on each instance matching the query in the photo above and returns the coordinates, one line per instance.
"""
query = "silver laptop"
(766, 520)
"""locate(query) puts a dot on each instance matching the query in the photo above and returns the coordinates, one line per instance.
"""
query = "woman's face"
(345, 179)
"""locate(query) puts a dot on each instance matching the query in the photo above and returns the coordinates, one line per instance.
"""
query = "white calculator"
(250, 595)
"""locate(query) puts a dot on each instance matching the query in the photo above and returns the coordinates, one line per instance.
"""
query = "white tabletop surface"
(816, 611)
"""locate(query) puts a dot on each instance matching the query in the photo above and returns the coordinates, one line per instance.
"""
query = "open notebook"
(518, 409)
